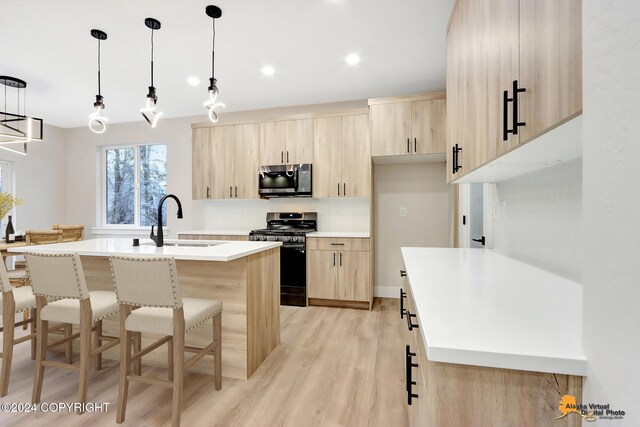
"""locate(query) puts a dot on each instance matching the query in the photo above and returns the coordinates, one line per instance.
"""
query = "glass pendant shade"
(97, 121)
(211, 104)
(149, 111)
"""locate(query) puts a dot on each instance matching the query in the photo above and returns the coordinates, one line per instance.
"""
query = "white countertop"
(477, 307)
(217, 232)
(222, 251)
(337, 234)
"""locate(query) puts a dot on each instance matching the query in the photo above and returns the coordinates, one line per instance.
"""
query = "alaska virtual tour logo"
(589, 412)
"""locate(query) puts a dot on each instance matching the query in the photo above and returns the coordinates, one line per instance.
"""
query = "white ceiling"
(47, 43)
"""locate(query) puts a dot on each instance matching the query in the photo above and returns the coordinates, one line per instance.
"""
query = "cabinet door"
(322, 274)
(500, 35)
(454, 84)
(428, 126)
(222, 161)
(390, 129)
(327, 178)
(353, 276)
(246, 161)
(299, 147)
(201, 161)
(273, 138)
(356, 156)
(550, 64)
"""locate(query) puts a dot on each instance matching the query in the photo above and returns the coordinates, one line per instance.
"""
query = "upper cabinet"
(225, 162)
(408, 125)
(342, 156)
(286, 142)
(514, 72)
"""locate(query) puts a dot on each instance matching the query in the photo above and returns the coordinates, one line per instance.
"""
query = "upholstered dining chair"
(151, 283)
(62, 296)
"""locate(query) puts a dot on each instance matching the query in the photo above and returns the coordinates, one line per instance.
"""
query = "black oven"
(293, 274)
(285, 181)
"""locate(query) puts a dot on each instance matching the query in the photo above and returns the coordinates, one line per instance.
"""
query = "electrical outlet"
(403, 211)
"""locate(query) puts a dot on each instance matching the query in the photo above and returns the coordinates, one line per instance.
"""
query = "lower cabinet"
(338, 272)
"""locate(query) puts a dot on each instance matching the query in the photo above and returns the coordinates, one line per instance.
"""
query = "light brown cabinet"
(342, 156)
(514, 72)
(225, 162)
(286, 142)
(338, 272)
(408, 125)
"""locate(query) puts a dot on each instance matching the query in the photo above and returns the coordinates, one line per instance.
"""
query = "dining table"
(4, 247)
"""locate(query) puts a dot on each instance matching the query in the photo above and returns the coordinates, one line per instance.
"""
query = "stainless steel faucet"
(159, 238)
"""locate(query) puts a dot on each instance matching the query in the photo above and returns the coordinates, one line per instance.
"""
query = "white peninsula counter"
(245, 276)
(493, 332)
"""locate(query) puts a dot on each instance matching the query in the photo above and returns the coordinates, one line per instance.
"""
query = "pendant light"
(214, 12)
(149, 110)
(16, 128)
(97, 121)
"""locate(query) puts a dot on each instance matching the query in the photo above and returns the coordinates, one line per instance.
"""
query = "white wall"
(537, 218)
(422, 190)
(39, 181)
(612, 205)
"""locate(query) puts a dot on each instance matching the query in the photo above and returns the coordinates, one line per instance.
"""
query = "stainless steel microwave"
(285, 181)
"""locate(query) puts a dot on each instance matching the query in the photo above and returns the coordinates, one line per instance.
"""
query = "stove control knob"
(286, 239)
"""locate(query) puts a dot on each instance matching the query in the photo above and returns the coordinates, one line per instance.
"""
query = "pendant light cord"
(99, 88)
(213, 50)
(152, 57)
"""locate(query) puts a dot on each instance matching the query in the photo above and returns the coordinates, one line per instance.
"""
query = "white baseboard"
(386, 292)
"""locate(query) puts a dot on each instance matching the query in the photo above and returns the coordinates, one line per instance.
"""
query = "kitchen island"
(489, 340)
(245, 276)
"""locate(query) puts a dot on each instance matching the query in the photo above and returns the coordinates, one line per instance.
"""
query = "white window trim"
(101, 217)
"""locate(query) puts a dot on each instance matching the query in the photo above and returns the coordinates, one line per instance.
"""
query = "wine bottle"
(10, 234)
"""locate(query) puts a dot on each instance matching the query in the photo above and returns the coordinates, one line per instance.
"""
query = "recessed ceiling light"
(193, 81)
(352, 59)
(268, 71)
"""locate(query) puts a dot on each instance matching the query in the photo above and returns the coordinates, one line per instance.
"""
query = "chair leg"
(25, 316)
(97, 342)
(34, 329)
(125, 369)
(137, 346)
(170, 358)
(68, 347)
(41, 353)
(8, 324)
(217, 355)
(85, 351)
(178, 375)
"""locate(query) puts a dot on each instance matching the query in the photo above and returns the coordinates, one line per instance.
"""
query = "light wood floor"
(334, 367)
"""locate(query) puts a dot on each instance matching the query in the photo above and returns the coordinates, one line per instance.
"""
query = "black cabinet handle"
(415, 145)
(408, 145)
(505, 115)
(403, 273)
(208, 192)
(403, 295)
(516, 91)
(344, 189)
(236, 191)
(409, 365)
(340, 259)
(456, 157)
(282, 157)
(337, 244)
(334, 259)
(230, 191)
(453, 160)
(410, 324)
(287, 156)
(338, 189)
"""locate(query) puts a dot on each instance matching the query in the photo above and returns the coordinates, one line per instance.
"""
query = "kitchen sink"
(186, 243)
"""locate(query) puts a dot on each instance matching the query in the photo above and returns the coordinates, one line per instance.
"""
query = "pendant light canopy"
(16, 128)
(97, 121)
(149, 110)
(214, 12)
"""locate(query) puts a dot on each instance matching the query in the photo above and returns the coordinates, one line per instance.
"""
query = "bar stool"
(14, 301)
(152, 284)
(59, 277)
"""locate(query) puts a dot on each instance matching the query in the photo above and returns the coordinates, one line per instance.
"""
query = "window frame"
(102, 194)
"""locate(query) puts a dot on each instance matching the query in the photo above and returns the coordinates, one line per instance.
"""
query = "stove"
(290, 228)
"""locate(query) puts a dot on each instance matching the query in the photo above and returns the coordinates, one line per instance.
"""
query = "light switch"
(403, 211)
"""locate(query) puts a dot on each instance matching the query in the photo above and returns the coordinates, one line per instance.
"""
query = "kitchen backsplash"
(333, 214)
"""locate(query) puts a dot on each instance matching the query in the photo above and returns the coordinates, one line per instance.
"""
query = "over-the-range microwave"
(285, 181)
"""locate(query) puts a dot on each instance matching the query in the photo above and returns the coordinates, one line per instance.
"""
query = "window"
(135, 178)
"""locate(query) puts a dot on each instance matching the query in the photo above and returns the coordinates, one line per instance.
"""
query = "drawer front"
(337, 244)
